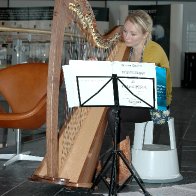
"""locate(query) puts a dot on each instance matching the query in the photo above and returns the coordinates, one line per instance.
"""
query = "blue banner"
(161, 88)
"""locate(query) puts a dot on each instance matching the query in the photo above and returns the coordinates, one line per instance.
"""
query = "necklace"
(131, 54)
(132, 57)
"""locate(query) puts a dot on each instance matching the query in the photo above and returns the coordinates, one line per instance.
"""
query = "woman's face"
(133, 35)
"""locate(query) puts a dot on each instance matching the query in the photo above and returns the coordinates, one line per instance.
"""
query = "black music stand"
(115, 152)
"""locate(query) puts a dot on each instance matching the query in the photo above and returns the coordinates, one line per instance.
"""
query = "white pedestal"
(155, 163)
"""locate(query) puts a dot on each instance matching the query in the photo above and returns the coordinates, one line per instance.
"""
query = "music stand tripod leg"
(115, 153)
(118, 154)
(101, 174)
(113, 188)
(135, 176)
(113, 179)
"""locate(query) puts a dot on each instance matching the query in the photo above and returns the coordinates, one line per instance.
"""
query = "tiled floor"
(14, 179)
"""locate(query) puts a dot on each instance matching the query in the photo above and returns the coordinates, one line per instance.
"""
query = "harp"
(66, 162)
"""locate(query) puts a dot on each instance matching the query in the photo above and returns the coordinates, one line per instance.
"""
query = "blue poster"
(161, 88)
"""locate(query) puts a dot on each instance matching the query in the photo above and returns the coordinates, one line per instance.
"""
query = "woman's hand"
(93, 58)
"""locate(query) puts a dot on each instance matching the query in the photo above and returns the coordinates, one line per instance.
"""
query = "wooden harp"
(73, 151)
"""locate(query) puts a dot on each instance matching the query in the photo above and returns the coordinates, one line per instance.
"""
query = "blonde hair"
(143, 19)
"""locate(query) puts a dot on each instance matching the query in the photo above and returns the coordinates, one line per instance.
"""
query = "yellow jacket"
(154, 53)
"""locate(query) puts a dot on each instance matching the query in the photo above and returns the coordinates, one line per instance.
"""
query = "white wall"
(176, 50)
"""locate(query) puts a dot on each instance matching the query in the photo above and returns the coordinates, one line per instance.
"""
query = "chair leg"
(24, 156)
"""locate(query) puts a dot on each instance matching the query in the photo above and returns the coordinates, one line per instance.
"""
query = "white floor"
(177, 190)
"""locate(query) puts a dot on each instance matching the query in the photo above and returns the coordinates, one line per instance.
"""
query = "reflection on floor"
(14, 179)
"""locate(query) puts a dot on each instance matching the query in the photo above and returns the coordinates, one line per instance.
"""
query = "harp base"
(60, 181)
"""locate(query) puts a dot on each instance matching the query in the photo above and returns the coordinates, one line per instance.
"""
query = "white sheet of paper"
(139, 94)
(84, 80)
(70, 85)
(91, 86)
(91, 68)
(142, 86)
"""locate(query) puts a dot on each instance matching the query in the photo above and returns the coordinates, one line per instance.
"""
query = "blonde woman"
(137, 34)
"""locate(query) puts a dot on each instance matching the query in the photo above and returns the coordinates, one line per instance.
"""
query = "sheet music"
(139, 80)
(85, 79)
(88, 85)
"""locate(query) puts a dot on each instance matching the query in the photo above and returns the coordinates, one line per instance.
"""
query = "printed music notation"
(89, 83)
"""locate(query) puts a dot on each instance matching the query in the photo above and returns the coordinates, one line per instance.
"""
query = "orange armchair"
(24, 87)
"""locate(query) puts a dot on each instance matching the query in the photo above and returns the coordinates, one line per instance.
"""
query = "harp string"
(85, 43)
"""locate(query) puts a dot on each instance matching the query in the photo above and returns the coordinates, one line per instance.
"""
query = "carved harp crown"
(72, 151)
